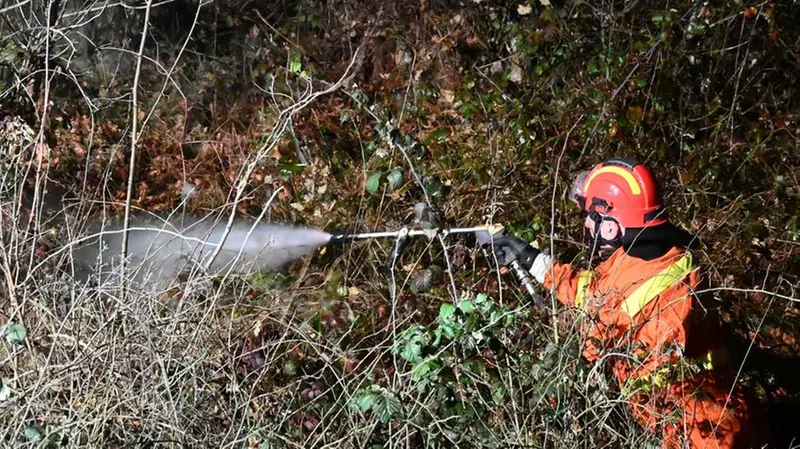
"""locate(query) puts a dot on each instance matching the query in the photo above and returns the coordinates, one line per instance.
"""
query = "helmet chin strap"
(601, 246)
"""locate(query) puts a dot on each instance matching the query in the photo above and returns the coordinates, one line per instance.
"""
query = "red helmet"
(623, 189)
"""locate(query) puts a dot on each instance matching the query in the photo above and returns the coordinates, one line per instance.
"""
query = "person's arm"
(563, 279)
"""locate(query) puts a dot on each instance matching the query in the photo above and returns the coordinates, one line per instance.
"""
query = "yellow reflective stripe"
(584, 280)
(685, 368)
(619, 171)
(712, 359)
(648, 291)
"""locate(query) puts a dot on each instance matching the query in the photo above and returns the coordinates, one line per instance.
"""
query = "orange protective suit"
(663, 347)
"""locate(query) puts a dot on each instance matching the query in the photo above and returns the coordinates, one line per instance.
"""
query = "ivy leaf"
(16, 333)
(373, 182)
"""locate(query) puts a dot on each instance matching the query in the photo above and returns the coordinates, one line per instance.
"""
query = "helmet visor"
(576, 192)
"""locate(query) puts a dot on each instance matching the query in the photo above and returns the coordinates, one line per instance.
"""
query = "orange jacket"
(643, 311)
(669, 324)
(646, 320)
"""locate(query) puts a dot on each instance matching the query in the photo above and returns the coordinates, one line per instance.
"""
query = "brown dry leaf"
(275, 153)
(524, 10)
(446, 96)
(42, 151)
(257, 328)
(473, 41)
(614, 129)
(635, 113)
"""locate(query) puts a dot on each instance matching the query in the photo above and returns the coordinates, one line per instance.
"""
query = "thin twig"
(553, 302)
(134, 137)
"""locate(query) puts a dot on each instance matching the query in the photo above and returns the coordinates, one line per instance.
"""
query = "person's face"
(608, 229)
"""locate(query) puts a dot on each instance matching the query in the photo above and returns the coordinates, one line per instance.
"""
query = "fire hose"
(483, 234)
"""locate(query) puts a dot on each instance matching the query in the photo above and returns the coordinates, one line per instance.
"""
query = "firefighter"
(642, 313)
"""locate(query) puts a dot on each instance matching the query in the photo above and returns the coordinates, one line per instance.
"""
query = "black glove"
(508, 249)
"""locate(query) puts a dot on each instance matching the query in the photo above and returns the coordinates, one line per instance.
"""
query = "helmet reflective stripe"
(625, 174)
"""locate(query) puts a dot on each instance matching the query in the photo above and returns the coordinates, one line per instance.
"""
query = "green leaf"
(383, 403)
(498, 393)
(395, 178)
(411, 344)
(438, 136)
(425, 369)
(367, 401)
(468, 110)
(466, 306)
(295, 66)
(446, 312)
(291, 368)
(592, 67)
(290, 169)
(373, 182)
(434, 187)
(34, 433)
(391, 408)
(15, 333)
